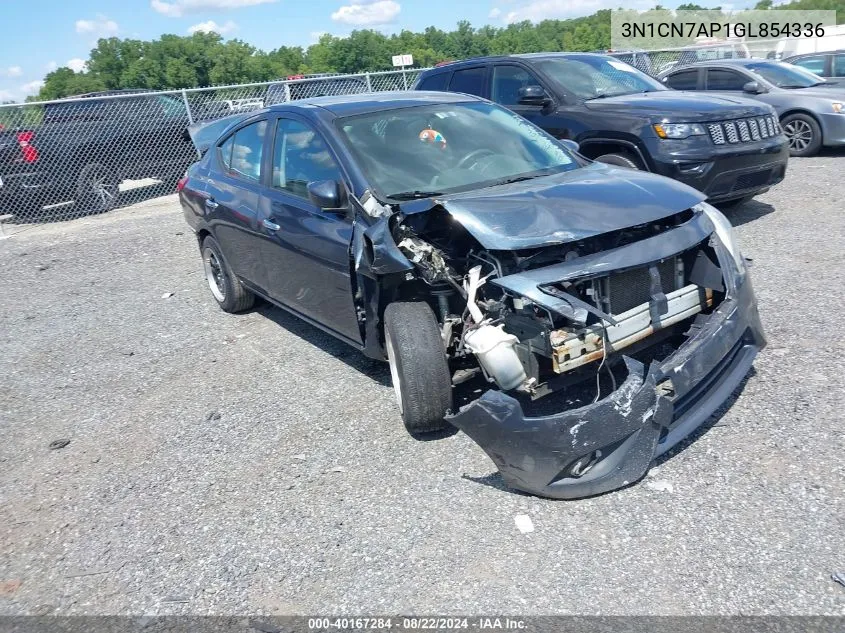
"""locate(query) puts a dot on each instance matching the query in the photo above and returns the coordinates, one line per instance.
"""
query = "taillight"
(30, 154)
(180, 184)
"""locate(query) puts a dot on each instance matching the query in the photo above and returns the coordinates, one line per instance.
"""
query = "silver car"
(811, 110)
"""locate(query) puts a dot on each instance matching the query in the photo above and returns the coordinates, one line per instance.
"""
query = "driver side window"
(507, 82)
(300, 157)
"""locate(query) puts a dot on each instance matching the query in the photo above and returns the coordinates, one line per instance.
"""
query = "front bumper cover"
(639, 421)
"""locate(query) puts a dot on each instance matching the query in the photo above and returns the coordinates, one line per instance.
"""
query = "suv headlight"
(679, 130)
(725, 232)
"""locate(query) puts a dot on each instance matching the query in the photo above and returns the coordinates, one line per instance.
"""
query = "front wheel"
(418, 366)
(803, 133)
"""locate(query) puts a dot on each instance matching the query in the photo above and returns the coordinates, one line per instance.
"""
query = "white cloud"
(539, 10)
(362, 13)
(178, 8)
(51, 66)
(316, 35)
(212, 27)
(11, 71)
(101, 26)
(495, 12)
(6, 95)
(32, 87)
(77, 65)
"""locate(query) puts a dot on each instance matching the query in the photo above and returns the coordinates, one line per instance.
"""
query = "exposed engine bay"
(534, 344)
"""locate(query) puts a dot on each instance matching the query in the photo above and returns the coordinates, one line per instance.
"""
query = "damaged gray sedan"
(464, 245)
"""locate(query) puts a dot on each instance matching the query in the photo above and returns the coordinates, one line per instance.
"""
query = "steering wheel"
(473, 157)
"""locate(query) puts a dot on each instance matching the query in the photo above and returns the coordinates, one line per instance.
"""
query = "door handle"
(211, 204)
(269, 224)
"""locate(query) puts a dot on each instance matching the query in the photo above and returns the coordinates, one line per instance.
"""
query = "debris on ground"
(838, 576)
(213, 416)
(337, 469)
(167, 295)
(660, 485)
(300, 457)
(57, 444)
(42, 267)
(8, 587)
(524, 523)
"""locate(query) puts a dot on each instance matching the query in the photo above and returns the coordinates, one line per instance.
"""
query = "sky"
(40, 35)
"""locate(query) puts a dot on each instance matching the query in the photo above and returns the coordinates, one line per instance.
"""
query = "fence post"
(287, 91)
(369, 82)
(187, 106)
(404, 78)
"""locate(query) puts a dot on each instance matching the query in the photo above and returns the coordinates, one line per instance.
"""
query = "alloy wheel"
(214, 274)
(799, 133)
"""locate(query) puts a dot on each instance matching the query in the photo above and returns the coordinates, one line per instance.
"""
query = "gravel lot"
(226, 464)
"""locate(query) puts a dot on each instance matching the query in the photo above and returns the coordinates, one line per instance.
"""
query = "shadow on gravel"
(379, 372)
(748, 212)
(494, 479)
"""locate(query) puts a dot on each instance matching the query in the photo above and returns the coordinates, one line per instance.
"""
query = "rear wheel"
(97, 188)
(225, 287)
(803, 133)
(418, 366)
(619, 160)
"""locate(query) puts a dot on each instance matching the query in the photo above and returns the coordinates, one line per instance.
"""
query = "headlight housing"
(837, 107)
(725, 232)
(679, 130)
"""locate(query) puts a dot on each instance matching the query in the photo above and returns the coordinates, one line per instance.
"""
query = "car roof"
(445, 67)
(743, 61)
(836, 52)
(347, 105)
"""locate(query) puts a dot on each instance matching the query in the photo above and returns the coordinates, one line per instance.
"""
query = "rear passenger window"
(241, 152)
(470, 81)
(434, 82)
(838, 63)
(813, 64)
(725, 80)
(684, 80)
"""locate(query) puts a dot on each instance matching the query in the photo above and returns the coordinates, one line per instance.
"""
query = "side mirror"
(569, 144)
(752, 87)
(327, 194)
(533, 95)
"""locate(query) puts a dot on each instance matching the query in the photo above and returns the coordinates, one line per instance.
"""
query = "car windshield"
(595, 77)
(422, 151)
(785, 75)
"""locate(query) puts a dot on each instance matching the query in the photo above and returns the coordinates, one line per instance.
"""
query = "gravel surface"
(224, 464)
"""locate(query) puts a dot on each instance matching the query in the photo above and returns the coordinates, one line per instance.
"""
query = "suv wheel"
(226, 288)
(803, 133)
(619, 160)
(97, 188)
(418, 366)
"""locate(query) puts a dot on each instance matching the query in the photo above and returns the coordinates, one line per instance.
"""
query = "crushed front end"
(664, 311)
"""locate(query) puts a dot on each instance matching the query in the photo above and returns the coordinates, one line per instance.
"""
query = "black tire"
(803, 133)
(226, 288)
(418, 366)
(619, 160)
(97, 188)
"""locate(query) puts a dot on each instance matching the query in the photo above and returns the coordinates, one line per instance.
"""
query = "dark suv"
(619, 115)
(84, 146)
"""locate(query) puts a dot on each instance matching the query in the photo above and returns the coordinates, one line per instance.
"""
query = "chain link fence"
(65, 159)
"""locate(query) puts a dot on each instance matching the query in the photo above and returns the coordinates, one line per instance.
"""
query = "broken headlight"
(725, 232)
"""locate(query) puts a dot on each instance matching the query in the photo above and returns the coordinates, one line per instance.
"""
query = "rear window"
(434, 82)
(82, 110)
(470, 81)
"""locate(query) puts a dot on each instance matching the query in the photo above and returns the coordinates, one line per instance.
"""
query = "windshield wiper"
(507, 181)
(413, 195)
(792, 87)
